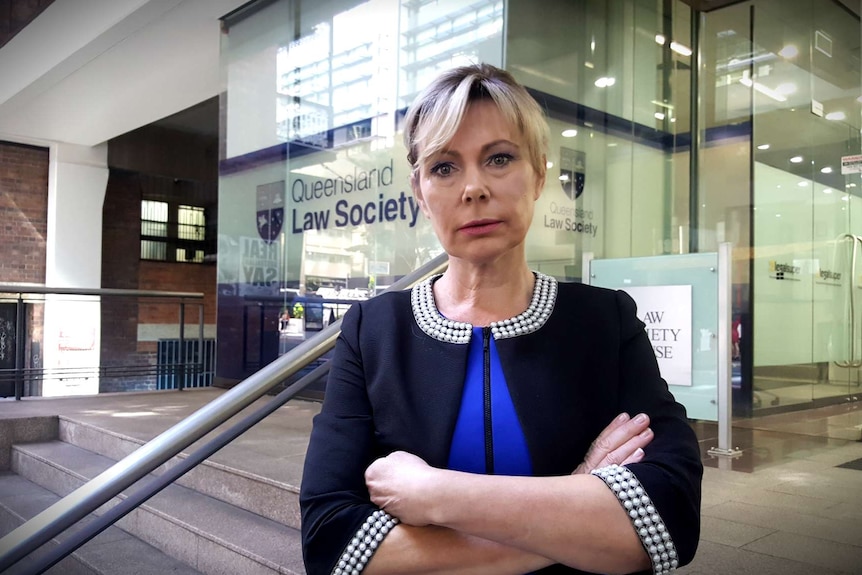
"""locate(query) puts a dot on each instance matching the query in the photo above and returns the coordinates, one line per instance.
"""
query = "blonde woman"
(480, 422)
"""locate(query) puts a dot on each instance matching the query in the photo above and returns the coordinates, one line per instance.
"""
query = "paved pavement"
(785, 507)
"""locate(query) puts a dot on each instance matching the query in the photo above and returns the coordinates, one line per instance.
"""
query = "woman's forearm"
(410, 550)
(575, 520)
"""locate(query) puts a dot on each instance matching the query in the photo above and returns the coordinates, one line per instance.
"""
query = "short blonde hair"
(437, 111)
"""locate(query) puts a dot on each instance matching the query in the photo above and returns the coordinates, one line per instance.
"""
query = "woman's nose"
(474, 188)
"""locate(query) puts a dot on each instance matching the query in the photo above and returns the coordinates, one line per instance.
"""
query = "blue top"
(467, 452)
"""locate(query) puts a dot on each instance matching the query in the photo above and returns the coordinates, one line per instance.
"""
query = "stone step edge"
(80, 556)
(145, 507)
(287, 512)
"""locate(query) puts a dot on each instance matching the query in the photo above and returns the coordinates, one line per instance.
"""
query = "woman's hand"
(620, 442)
(403, 485)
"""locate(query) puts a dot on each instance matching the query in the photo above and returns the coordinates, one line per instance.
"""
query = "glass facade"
(671, 131)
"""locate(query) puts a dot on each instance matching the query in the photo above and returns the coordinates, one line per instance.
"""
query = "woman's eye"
(441, 169)
(501, 159)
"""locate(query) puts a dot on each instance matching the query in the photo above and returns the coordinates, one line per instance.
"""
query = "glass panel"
(803, 78)
(615, 78)
(154, 218)
(315, 207)
(191, 223)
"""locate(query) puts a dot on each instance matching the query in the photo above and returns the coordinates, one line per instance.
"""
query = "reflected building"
(675, 127)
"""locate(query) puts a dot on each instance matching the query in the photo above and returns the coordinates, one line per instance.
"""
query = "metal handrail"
(21, 289)
(851, 327)
(110, 483)
(16, 292)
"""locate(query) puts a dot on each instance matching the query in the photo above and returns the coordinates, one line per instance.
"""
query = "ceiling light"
(569, 133)
(766, 91)
(846, 198)
(826, 170)
(802, 184)
(786, 88)
(680, 49)
(605, 82)
(828, 190)
(659, 116)
(797, 159)
(660, 39)
(789, 51)
(662, 104)
(850, 185)
(549, 165)
(763, 147)
(777, 215)
(589, 65)
(836, 116)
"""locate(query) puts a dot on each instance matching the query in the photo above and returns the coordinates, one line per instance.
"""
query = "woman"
(456, 432)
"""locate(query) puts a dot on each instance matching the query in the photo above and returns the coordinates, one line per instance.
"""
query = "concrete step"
(264, 496)
(111, 552)
(211, 535)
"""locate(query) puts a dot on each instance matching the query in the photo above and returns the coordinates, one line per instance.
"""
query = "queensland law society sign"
(666, 313)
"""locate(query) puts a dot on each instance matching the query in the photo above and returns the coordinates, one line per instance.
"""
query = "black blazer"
(393, 387)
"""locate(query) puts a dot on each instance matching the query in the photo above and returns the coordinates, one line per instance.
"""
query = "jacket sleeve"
(670, 473)
(334, 500)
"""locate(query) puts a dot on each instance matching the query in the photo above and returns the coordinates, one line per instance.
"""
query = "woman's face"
(479, 190)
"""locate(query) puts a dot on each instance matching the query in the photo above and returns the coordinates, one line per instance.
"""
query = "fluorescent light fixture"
(786, 88)
(659, 116)
(589, 65)
(802, 184)
(660, 39)
(850, 185)
(789, 51)
(777, 215)
(763, 147)
(797, 159)
(828, 190)
(836, 116)
(569, 133)
(662, 104)
(605, 82)
(826, 170)
(680, 49)
(766, 91)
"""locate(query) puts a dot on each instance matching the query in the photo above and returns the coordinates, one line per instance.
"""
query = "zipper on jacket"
(486, 394)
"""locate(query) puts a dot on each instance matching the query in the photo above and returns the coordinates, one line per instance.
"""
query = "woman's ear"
(417, 191)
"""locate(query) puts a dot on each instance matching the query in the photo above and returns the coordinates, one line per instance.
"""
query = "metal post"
(724, 387)
(200, 369)
(182, 377)
(20, 338)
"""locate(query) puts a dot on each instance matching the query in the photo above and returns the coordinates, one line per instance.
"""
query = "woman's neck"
(479, 296)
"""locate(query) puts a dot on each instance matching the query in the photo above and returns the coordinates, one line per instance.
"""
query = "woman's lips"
(479, 227)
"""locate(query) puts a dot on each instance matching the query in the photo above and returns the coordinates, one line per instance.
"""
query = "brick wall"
(23, 212)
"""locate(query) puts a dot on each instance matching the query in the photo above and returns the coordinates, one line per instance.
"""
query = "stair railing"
(110, 483)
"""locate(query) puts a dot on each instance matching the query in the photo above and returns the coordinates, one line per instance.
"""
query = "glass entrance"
(802, 77)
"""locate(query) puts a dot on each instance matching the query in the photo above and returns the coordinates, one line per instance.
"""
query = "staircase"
(237, 513)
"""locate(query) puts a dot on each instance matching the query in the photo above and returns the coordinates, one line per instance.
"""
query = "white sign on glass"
(666, 313)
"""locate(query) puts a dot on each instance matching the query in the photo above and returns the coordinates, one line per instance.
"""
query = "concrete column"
(77, 180)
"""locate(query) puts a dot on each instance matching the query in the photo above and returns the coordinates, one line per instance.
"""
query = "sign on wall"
(666, 313)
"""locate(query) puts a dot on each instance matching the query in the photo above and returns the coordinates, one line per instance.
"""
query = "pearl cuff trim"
(430, 320)
(363, 545)
(644, 516)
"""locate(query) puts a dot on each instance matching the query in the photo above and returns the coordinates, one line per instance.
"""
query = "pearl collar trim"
(430, 320)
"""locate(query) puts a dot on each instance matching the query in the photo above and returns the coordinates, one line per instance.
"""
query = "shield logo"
(572, 172)
(270, 210)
